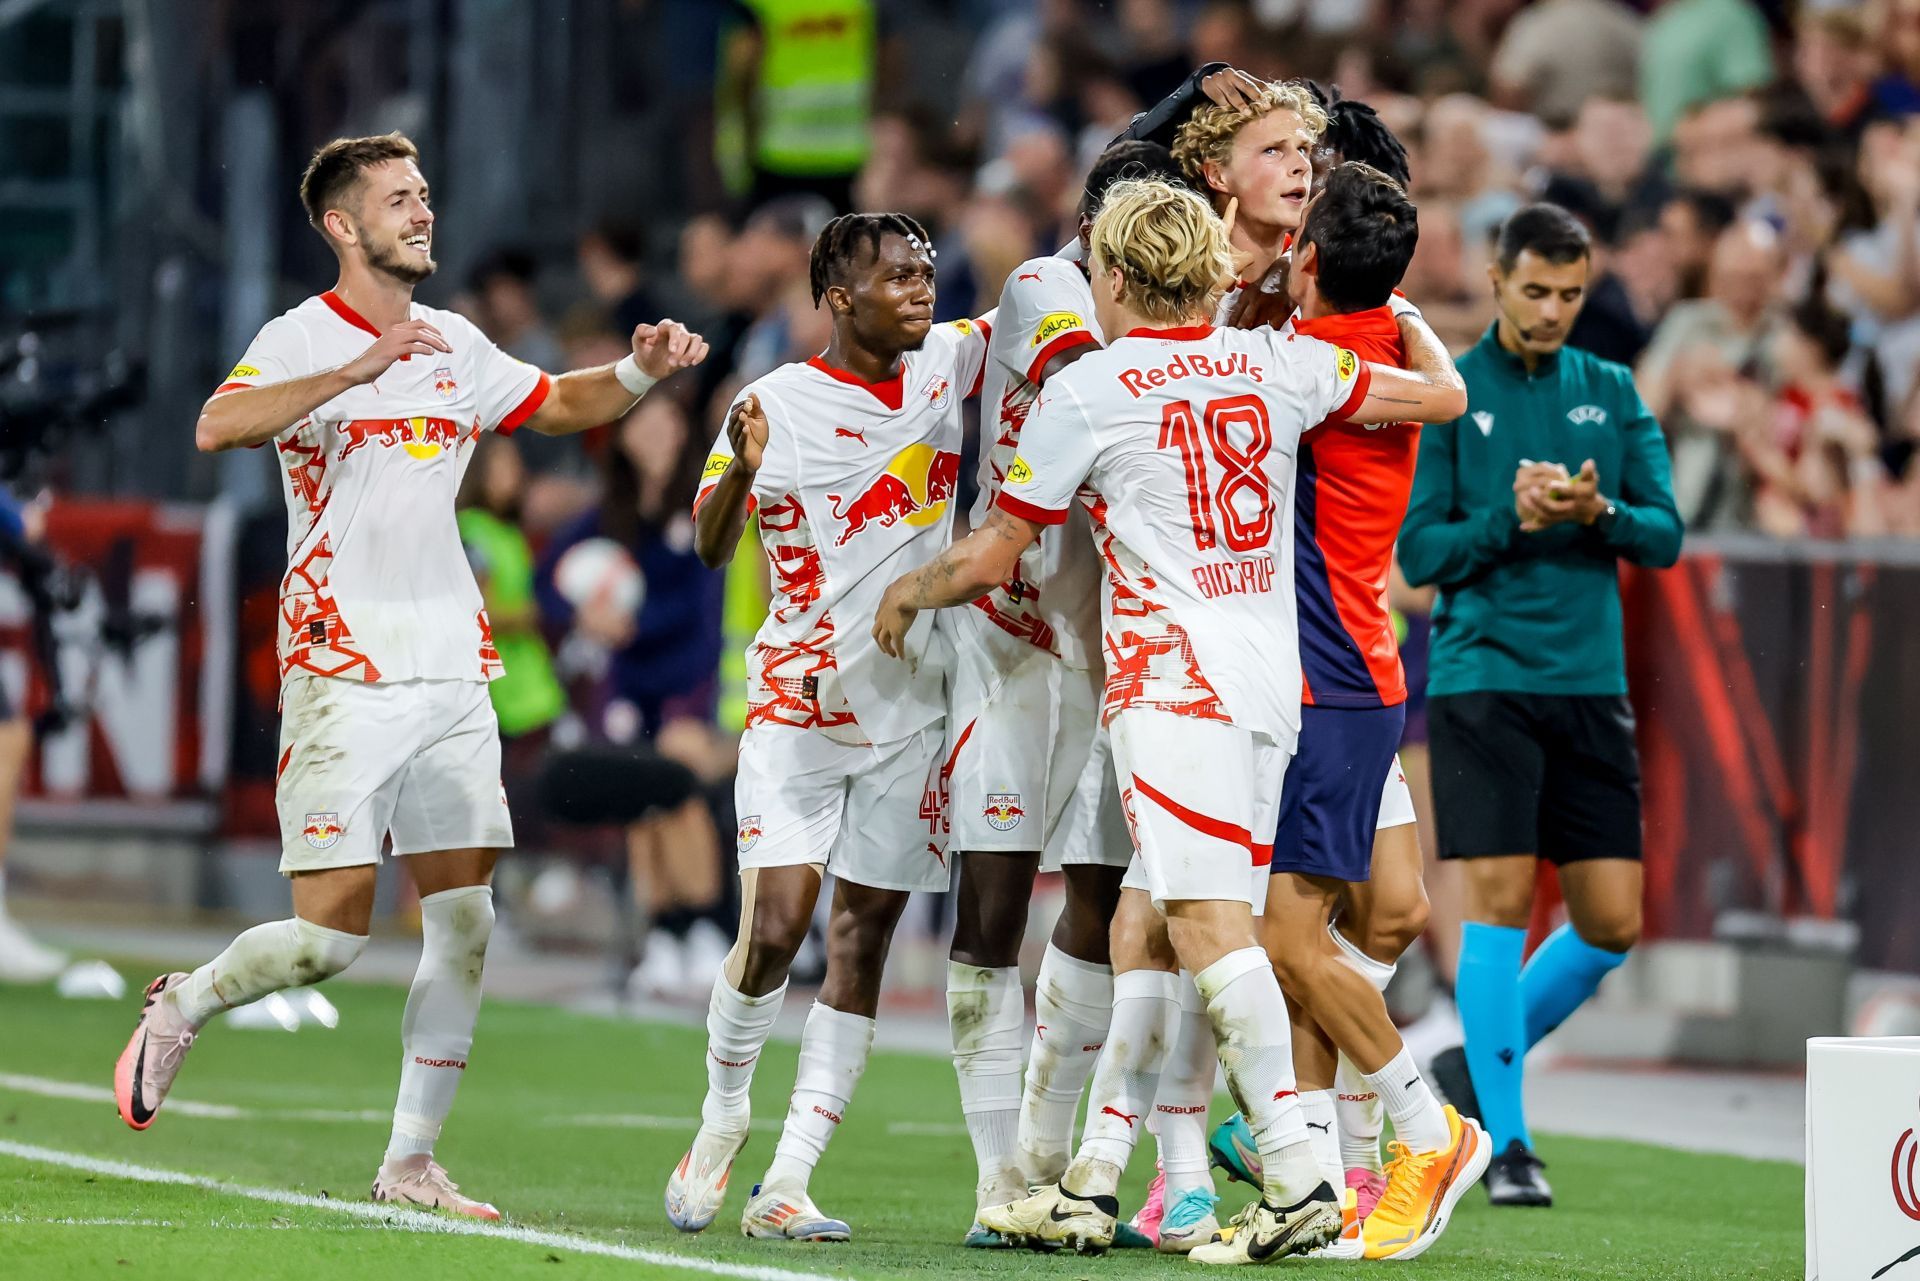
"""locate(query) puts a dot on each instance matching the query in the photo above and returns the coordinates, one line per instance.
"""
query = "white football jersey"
(378, 587)
(856, 487)
(1053, 599)
(1186, 440)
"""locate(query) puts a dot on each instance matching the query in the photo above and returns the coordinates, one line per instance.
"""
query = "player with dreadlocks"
(852, 460)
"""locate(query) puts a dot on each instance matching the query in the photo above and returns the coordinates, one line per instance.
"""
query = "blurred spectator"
(609, 257)
(1559, 53)
(1834, 63)
(768, 275)
(1737, 317)
(658, 686)
(1815, 457)
(1692, 221)
(1696, 51)
(1896, 32)
(528, 697)
(797, 88)
(509, 307)
(1875, 262)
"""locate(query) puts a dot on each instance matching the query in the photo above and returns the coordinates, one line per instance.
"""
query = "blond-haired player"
(1184, 437)
(1257, 154)
(373, 404)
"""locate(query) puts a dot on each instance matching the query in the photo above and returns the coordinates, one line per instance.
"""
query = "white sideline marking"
(398, 1219)
(49, 1088)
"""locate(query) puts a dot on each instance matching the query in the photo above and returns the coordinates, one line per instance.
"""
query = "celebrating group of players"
(1162, 663)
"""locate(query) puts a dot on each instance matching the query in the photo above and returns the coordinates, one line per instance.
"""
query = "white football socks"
(987, 1016)
(436, 1033)
(737, 1029)
(1418, 1120)
(267, 958)
(833, 1054)
(1072, 1009)
(1358, 1103)
(1186, 1090)
(1255, 1041)
(1146, 1018)
(1323, 1134)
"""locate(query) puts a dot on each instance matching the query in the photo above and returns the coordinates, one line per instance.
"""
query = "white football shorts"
(418, 760)
(1093, 831)
(1024, 723)
(1396, 799)
(1202, 798)
(874, 815)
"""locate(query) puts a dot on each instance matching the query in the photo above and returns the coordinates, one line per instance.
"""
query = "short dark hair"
(1713, 211)
(1127, 159)
(1364, 229)
(511, 263)
(1825, 328)
(856, 233)
(1355, 131)
(1547, 230)
(623, 240)
(335, 169)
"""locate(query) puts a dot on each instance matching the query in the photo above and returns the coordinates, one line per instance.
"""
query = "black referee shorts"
(1549, 774)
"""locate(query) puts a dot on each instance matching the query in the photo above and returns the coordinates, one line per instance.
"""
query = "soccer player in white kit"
(852, 460)
(1183, 437)
(372, 405)
(1032, 774)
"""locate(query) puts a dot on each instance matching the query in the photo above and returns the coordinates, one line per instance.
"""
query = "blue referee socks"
(1486, 988)
(1560, 975)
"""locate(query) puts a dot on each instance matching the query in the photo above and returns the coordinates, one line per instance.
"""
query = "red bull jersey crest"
(856, 486)
(377, 585)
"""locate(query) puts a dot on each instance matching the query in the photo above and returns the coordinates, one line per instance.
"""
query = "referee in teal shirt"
(1521, 512)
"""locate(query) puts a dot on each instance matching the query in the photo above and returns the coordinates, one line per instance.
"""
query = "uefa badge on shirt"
(323, 830)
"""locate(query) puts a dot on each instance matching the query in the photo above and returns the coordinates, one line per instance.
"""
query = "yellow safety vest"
(815, 92)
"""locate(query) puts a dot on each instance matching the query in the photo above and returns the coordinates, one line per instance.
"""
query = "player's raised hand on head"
(667, 348)
(1231, 87)
(747, 432)
(408, 338)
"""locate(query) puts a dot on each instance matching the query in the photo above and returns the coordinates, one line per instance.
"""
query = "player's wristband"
(632, 377)
(1401, 305)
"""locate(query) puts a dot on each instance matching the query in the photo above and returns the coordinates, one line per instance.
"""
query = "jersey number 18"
(1240, 469)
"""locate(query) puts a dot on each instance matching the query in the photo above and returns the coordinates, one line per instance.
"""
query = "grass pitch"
(570, 1124)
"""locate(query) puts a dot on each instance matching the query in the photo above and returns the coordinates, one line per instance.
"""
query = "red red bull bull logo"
(443, 383)
(422, 438)
(323, 830)
(1003, 811)
(915, 488)
(749, 833)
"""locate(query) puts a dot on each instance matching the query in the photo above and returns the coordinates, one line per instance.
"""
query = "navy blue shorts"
(1330, 804)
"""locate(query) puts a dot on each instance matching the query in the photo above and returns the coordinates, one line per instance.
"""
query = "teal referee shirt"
(1535, 613)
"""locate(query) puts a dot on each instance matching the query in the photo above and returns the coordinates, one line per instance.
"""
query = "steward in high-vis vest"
(800, 82)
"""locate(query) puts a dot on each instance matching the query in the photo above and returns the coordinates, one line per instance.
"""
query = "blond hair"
(1209, 133)
(1169, 245)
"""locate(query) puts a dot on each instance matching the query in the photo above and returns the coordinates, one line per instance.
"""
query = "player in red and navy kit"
(1356, 242)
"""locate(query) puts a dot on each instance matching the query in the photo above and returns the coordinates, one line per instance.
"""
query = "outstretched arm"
(589, 397)
(1429, 390)
(957, 575)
